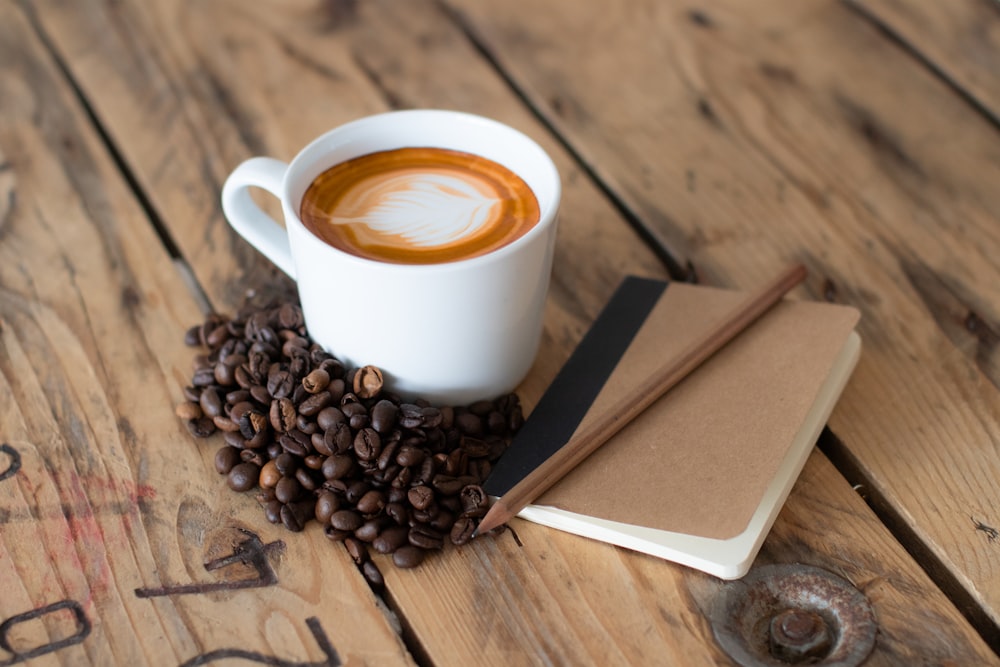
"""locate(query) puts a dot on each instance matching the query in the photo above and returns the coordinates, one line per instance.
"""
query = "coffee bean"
(282, 415)
(369, 530)
(462, 530)
(372, 575)
(475, 502)
(294, 516)
(288, 489)
(306, 479)
(272, 511)
(327, 503)
(357, 550)
(408, 556)
(201, 427)
(368, 382)
(269, 475)
(337, 466)
(356, 490)
(188, 410)
(336, 535)
(410, 456)
(367, 444)
(390, 539)
(316, 381)
(469, 424)
(371, 503)
(315, 403)
(226, 458)
(420, 497)
(398, 512)
(329, 417)
(348, 520)
(446, 484)
(243, 476)
(224, 423)
(383, 416)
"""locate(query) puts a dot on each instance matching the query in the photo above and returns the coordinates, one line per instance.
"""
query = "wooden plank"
(554, 597)
(800, 131)
(959, 39)
(111, 514)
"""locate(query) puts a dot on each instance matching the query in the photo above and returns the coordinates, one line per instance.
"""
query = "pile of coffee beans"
(318, 440)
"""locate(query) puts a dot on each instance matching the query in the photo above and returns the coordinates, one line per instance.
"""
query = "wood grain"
(959, 39)
(226, 80)
(110, 496)
(800, 130)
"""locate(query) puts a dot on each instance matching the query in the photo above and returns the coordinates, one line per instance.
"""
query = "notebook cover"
(700, 459)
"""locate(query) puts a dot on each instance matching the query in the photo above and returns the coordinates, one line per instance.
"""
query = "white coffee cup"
(453, 332)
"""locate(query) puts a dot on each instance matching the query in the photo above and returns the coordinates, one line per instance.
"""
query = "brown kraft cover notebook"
(700, 476)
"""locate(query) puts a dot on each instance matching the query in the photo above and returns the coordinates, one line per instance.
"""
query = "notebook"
(700, 476)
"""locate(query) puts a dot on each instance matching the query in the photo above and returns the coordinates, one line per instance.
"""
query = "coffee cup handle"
(258, 228)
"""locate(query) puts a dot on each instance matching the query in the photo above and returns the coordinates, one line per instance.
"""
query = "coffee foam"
(419, 205)
(419, 209)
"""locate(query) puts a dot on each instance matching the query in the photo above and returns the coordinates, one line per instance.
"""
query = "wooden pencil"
(643, 395)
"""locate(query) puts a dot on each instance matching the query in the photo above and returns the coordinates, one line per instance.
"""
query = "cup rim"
(547, 216)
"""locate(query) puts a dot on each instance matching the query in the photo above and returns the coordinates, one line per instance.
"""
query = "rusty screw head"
(798, 635)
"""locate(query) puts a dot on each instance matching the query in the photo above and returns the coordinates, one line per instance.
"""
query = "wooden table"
(712, 141)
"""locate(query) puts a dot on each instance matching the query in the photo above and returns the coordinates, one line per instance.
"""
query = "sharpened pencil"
(641, 397)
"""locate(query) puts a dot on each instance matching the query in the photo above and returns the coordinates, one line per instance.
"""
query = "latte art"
(419, 205)
(419, 209)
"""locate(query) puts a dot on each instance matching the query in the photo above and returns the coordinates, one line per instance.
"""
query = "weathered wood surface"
(960, 39)
(798, 129)
(186, 91)
(105, 499)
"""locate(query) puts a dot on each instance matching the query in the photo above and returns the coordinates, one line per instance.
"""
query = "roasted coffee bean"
(252, 423)
(226, 458)
(371, 503)
(427, 514)
(337, 466)
(348, 520)
(469, 424)
(398, 512)
(259, 394)
(327, 503)
(192, 337)
(239, 410)
(425, 537)
(355, 490)
(188, 410)
(287, 489)
(306, 425)
(340, 438)
(475, 501)
(390, 539)
(369, 530)
(336, 535)
(203, 377)
(446, 484)
(280, 384)
(329, 417)
(474, 447)
(420, 496)
(290, 316)
(368, 382)
(224, 423)
(269, 475)
(462, 530)
(367, 444)
(225, 375)
(294, 446)
(316, 381)
(408, 556)
(291, 519)
(243, 476)
(443, 521)
(410, 456)
(282, 415)
(201, 427)
(383, 416)
(457, 463)
(237, 396)
(357, 550)
(285, 463)
(315, 403)
(306, 479)
(403, 478)
(388, 455)
(191, 393)
(252, 456)
(372, 575)
(272, 511)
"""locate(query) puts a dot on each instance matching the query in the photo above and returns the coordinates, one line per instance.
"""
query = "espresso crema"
(419, 206)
